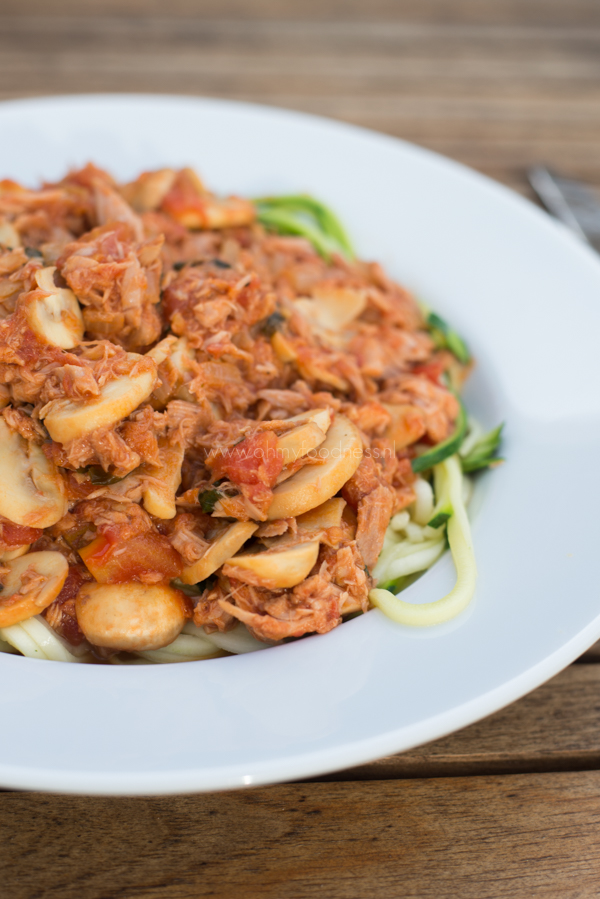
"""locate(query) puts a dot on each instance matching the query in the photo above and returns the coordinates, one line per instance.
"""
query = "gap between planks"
(465, 838)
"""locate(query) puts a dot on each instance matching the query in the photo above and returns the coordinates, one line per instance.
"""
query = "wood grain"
(466, 838)
(498, 86)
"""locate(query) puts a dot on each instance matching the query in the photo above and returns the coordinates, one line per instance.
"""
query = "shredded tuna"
(237, 324)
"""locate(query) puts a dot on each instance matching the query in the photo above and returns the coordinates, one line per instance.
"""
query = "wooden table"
(509, 807)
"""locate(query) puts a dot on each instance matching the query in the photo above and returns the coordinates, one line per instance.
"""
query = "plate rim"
(306, 764)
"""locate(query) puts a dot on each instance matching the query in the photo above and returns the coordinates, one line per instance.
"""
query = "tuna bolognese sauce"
(219, 428)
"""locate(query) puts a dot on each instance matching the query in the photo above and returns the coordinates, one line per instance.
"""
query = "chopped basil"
(208, 499)
(272, 323)
(32, 253)
(98, 476)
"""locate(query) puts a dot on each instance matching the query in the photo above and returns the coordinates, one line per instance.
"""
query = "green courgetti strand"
(446, 448)
(306, 217)
(448, 482)
(483, 453)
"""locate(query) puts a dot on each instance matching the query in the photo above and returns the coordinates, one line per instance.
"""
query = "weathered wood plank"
(469, 838)
(496, 93)
(501, 12)
(555, 728)
(592, 655)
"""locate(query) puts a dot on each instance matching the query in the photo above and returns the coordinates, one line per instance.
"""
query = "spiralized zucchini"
(35, 639)
(397, 560)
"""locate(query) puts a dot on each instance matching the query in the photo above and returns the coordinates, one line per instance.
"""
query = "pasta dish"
(219, 429)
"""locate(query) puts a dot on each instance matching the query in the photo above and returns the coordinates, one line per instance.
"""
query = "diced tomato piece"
(253, 465)
(148, 557)
(256, 460)
(185, 200)
(432, 370)
(17, 534)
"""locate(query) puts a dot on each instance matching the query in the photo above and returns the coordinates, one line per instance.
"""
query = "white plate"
(527, 298)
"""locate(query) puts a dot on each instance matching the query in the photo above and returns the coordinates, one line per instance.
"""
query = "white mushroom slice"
(283, 348)
(131, 617)
(8, 236)
(33, 582)
(159, 493)
(56, 318)
(14, 553)
(162, 350)
(149, 190)
(327, 515)
(300, 441)
(332, 308)
(66, 420)
(223, 548)
(274, 568)
(176, 360)
(341, 451)
(32, 492)
(321, 417)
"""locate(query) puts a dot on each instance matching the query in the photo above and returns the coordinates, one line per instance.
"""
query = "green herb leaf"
(208, 499)
(98, 476)
(272, 323)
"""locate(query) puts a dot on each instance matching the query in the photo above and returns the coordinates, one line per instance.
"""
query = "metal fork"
(570, 201)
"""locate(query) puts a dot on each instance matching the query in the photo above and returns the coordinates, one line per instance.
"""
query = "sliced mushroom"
(327, 515)
(175, 360)
(341, 451)
(33, 582)
(274, 568)
(332, 308)
(283, 348)
(149, 190)
(223, 548)
(321, 417)
(8, 236)
(66, 420)
(307, 436)
(131, 617)
(15, 553)
(162, 350)
(32, 492)
(55, 318)
(299, 441)
(159, 492)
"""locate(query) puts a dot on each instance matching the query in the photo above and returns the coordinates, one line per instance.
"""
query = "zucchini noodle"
(193, 644)
(36, 640)
(449, 489)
